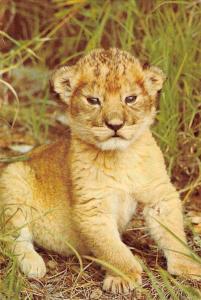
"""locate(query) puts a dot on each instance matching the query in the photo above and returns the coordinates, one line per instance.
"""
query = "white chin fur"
(114, 144)
(121, 144)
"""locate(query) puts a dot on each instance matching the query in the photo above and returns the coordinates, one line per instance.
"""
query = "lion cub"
(83, 189)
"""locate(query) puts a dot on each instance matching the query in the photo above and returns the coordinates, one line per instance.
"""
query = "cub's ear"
(154, 78)
(61, 81)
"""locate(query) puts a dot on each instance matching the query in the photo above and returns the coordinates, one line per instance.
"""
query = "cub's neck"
(88, 153)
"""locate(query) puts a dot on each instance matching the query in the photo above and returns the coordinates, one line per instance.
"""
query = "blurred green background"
(38, 36)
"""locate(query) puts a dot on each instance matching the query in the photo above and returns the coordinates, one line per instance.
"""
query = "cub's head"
(110, 98)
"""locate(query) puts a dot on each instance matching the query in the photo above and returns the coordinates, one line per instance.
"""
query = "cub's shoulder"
(53, 150)
(51, 158)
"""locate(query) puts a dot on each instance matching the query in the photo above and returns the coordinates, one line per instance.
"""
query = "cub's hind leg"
(30, 262)
(16, 202)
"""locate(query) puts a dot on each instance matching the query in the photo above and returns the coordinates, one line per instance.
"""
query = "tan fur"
(83, 189)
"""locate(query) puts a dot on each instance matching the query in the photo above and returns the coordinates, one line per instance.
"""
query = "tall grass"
(37, 36)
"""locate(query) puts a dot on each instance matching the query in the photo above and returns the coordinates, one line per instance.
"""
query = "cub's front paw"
(32, 265)
(118, 285)
(185, 267)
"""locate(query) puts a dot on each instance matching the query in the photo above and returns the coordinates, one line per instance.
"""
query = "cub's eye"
(130, 99)
(93, 100)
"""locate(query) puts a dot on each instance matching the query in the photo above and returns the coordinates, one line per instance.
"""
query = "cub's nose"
(114, 126)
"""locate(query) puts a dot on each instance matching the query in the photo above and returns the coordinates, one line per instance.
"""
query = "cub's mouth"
(117, 136)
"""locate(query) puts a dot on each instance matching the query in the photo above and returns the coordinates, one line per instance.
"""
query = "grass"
(38, 36)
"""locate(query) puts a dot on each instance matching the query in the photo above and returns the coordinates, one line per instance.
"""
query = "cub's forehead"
(111, 66)
(111, 71)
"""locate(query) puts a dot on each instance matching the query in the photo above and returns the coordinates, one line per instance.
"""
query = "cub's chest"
(119, 184)
(123, 208)
(117, 190)
(109, 187)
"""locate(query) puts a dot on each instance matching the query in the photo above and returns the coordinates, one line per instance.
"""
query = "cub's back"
(42, 175)
(49, 164)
